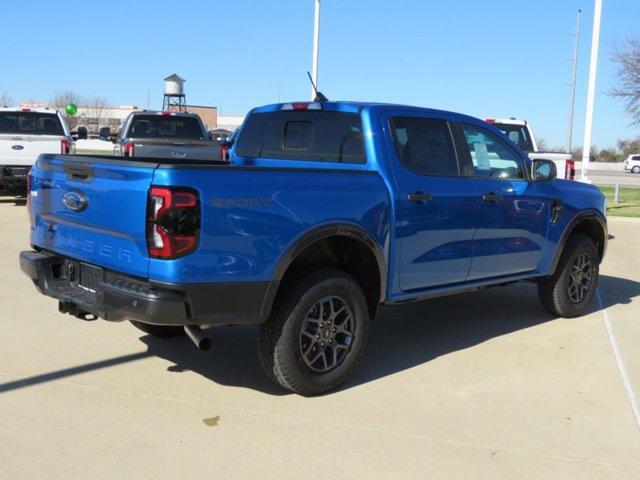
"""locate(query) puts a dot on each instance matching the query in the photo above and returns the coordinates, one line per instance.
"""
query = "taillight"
(570, 170)
(128, 149)
(29, 180)
(65, 146)
(173, 222)
(224, 152)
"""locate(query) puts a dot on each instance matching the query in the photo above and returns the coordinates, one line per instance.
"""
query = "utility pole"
(591, 92)
(573, 84)
(316, 41)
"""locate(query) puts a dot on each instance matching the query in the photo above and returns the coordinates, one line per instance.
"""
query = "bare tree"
(627, 86)
(5, 100)
(95, 114)
(63, 98)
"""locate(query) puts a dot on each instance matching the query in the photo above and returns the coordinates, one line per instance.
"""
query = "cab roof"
(358, 107)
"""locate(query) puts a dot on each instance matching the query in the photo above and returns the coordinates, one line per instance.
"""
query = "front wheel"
(316, 333)
(569, 291)
(635, 169)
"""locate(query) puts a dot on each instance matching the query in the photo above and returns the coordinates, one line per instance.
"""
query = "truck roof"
(160, 112)
(506, 121)
(357, 107)
(36, 110)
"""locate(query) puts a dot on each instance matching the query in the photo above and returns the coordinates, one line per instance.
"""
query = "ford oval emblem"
(75, 201)
(178, 154)
(17, 147)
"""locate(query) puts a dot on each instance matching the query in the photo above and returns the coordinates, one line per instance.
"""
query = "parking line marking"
(616, 353)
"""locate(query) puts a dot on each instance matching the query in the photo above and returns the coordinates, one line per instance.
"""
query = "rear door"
(435, 206)
(513, 214)
(92, 210)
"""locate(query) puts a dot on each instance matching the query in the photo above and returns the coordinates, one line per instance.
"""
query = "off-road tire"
(553, 291)
(279, 337)
(160, 331)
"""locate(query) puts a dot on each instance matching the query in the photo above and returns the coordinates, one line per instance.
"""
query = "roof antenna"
(319, 96)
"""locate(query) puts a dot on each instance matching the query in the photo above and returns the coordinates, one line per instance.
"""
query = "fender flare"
(570, 228)
(331, 230)
(312, 236)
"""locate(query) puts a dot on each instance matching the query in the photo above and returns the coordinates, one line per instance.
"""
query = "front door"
(513, 212)
(435, 207)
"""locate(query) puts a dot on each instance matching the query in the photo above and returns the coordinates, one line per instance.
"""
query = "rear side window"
(312, 136)
(518, 134)
(30, 123)
(160, 126)
(424, 145)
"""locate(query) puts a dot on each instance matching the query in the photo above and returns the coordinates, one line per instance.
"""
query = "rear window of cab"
(305, 136)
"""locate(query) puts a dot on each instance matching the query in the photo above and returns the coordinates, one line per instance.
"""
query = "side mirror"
(105, 134)
(543, 170)
(82, 133)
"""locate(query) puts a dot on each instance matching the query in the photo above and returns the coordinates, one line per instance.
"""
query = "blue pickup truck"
(324, 212)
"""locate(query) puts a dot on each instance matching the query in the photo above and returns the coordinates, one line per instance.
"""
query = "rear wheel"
(316, 333)
(162, 331)
(569, 291)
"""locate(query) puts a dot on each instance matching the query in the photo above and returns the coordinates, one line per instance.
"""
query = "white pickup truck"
(24, 134)
(520, 133)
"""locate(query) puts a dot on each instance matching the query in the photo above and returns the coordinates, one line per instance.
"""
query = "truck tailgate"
(24, 149)
(92, 209)
(177, 150)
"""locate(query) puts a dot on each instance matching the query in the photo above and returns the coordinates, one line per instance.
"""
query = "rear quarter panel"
(251, 216)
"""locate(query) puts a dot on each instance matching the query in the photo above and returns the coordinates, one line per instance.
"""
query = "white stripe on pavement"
(616, 353)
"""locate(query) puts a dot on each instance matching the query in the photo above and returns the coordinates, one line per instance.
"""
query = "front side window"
(308, 135)
(491, 156)
(424, 145)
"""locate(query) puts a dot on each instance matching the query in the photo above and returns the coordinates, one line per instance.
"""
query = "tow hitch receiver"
(73, 309)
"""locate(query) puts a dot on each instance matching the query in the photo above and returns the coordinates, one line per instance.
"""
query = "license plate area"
(89, 277)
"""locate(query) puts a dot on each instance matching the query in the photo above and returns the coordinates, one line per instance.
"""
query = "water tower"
(174, 97)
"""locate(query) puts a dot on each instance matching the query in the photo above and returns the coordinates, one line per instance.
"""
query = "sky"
(491, 58)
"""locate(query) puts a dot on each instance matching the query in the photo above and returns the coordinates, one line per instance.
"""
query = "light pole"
(316, 41)
(573, 84)
(591, 93)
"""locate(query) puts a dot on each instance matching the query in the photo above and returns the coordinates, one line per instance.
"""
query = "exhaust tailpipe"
(200, 340)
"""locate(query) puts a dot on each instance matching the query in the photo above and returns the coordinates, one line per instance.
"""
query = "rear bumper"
(119, 297)
(13, 176)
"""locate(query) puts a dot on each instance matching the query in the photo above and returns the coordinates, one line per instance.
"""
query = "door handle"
(491, 197)
(419, 197)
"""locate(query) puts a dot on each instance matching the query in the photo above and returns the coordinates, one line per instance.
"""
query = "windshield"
(518, 134)
(30, 123)
(160, 126)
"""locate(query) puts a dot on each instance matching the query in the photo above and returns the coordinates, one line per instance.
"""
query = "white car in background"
(24, 134)
(520, 133)
(632, 164)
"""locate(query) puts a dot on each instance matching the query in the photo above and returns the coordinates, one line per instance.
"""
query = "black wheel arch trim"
(570, 228)
(331, 230)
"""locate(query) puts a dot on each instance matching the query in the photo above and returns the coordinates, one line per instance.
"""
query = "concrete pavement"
(483, 385)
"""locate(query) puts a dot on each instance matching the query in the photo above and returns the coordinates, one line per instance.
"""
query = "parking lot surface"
(483, 385)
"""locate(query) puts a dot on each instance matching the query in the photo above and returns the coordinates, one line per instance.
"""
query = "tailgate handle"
(79, 172)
